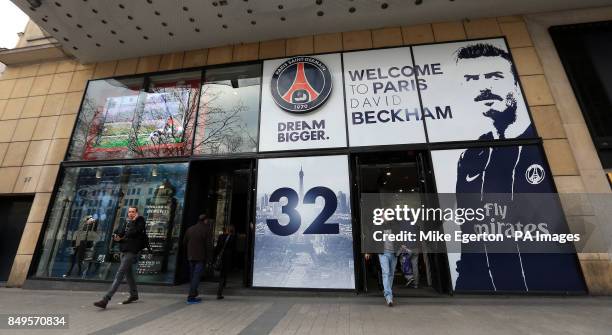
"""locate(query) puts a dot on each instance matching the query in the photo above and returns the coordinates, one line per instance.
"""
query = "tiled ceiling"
(97, 30)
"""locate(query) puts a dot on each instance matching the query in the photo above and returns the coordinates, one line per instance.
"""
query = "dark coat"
(133, 234)
(199, 242)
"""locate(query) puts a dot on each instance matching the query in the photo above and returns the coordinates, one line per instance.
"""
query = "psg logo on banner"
(301, 84)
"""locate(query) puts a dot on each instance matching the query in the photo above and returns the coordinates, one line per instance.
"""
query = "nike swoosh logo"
(470, 179)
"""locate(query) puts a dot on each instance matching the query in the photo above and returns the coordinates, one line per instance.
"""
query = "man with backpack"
(132, 238)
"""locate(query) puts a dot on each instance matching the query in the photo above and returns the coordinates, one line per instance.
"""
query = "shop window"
(585, 52)
(135, 118)
(229, 111)
(74, 248)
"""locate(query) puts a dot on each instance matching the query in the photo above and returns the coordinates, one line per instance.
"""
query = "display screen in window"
(120, 119)
(93, 201)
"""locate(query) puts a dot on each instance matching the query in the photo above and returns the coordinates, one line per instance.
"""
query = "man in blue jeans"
(388, 261)
(199, 244)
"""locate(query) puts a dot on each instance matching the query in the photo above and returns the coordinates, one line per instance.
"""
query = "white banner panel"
(302, 105)
(474, 95)
(303, 230)
(382, 101)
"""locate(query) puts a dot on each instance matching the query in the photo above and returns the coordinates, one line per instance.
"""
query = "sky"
(12, 21)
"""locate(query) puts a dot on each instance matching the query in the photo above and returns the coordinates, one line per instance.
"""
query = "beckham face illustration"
(490, 82)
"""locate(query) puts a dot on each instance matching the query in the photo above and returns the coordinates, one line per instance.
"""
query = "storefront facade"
(280, 139)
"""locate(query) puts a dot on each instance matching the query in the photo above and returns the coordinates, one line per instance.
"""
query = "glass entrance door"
(222, 191)
(402, 176)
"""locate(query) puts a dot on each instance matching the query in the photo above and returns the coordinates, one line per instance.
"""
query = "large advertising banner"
(382, 99)
(471, 92)
(303, 231)
(514, 186)
(302, 105)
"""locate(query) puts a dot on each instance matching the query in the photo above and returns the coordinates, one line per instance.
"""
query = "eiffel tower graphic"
(300, 91)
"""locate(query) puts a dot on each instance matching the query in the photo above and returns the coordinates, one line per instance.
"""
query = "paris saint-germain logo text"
(301, 84)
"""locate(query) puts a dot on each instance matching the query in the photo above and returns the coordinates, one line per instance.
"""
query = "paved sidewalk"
(168, 314)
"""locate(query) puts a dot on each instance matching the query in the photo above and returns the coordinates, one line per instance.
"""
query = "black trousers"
(222, 280)
(76, 258)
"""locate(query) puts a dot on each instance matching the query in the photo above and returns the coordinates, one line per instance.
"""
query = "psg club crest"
(301, 84)
(534, 174)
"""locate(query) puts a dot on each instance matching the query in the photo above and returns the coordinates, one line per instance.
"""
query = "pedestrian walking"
(132, 238)
(224, 256)
(199, 243)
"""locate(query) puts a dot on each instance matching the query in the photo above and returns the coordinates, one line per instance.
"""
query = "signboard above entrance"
(457, 91)
(301, 104)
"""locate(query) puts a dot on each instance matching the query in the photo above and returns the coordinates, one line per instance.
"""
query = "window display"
(92, 201)
(229, 110)
(122, 119)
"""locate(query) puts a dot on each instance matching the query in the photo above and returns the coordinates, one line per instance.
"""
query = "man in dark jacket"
(198, 241)
(131, 236)
(225, 250)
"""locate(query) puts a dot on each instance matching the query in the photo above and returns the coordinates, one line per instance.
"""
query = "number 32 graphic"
(318, 226)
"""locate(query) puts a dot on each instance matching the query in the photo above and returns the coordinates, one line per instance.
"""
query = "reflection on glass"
(229, 111)
(120, 119)
(92, 201)
(104, 122)
(165, 125)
